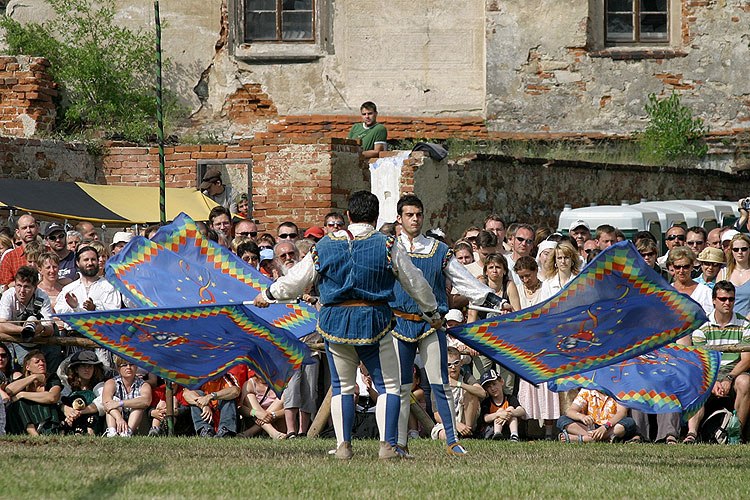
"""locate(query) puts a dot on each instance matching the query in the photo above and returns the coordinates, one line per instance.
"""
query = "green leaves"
(672, 132)
(106, 73)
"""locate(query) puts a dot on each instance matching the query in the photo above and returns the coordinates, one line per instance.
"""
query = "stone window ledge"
(279, 52)
(620, 53)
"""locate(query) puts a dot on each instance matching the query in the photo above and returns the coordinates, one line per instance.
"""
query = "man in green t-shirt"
(373, 134)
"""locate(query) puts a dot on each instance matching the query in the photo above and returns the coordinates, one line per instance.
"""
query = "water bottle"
(733, 429)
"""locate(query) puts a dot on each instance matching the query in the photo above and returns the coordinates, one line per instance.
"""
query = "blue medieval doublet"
(354, 270)
(431, 264)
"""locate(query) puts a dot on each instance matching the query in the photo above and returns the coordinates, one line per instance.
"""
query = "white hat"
(544, 245)
(579, 223)
(728, 235)
(454, 315)
(121, 237)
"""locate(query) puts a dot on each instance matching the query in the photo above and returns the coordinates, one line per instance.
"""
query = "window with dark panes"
(279, 20)
(637, 21)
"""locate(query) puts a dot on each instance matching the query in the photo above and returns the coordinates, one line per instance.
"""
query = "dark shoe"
(206, 432)
(691, 438)
(344, 451)
(154, 431)
(225, 433)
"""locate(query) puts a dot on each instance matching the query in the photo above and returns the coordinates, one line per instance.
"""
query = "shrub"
(672, 132)
(105, 72)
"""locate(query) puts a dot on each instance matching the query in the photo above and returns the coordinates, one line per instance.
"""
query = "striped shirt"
(736, 331)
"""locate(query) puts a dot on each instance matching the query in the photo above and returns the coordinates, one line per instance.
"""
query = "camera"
(746, 203)
(29, 328)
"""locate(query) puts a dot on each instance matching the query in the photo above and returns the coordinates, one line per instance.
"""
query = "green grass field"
(88, 468)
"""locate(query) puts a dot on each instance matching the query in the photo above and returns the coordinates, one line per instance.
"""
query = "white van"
(627, 218)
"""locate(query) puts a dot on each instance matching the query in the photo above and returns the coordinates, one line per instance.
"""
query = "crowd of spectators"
(48, 389)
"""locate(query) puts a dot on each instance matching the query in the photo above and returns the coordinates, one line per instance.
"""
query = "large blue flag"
(195, 322)
(673, 378)
(615, 309)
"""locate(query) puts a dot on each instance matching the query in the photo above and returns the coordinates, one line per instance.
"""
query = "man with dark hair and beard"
(90, 292)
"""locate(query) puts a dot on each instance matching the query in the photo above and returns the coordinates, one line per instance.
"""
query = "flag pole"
(169, 396)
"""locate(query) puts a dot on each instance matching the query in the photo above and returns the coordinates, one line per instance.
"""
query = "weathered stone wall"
(460, 194)
(26, 92)
(548, 69)
(36, 159)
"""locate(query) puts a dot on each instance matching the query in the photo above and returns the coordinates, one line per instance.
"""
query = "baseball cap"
(579, 223)
(710, 254)
(728, 235)
(266, 254)
(315, 232)
(489, 376)
(454, 315)
(121, 237)
(208, 179)
(53, 228)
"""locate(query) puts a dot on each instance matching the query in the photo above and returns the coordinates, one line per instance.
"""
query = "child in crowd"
(595, 416)
(467, 393)
(497, 409)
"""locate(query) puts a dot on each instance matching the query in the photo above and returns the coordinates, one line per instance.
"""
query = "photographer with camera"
(22, 309)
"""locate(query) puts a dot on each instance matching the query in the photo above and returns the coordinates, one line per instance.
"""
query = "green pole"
(169, 396)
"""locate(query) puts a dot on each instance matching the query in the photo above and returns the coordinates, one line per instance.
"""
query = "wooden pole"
(66, 341)
(727, 348)
(422, 417)
(321, 418)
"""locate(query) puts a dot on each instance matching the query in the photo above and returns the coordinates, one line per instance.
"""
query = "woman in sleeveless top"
(538, 401)
(497, 276)
(738, 272)
(262, 407)
(561, 266)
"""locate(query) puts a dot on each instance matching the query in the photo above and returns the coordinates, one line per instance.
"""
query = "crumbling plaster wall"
(545, 69)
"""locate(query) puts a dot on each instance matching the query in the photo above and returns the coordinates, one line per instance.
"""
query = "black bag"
(714, 427)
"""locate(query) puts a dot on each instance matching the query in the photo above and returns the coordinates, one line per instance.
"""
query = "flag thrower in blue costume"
(617, 308)
(192, 325)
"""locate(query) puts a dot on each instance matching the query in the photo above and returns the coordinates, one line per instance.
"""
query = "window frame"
(637, 40)
(279, 25)
(285, 50)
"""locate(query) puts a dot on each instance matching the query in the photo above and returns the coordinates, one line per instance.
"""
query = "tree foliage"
(105, 72)
(672, 132)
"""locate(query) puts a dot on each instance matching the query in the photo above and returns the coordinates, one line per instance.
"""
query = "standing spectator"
(606, 236)
(464, 253)
(725, 327)
(223, 194)
(249, 252)
(470, 235)
(333, 222)
(87, 231)
(26, 232)
(680, 264)
(738, 272)
(21, 302)
(246, 228)
(34, 398)
(675, 238)
(487, 244)
(714, 238)
(543, 252)
(220, 221)
(374, 135)
(287, 231)
(711, 261)
(125, 398)
(561, 267)
(594, 416)
(498, 413)
(57, 240)
(243, 205)
(48, 270)
(73, 238)
(119, 240)
(647, 248)
(521, 245)
(581, 232)
(495, 224)
(214, 406)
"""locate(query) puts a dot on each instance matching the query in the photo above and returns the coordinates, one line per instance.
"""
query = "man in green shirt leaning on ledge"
(373, 134)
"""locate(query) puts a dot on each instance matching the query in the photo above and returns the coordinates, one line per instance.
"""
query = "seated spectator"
(498, 413)
(419, 397)
(466, 395)
(82, 376)
(594, 416)
(34, 396)
(125, 398)
(680, 265)
(260, 404)
(724, 327)
(213, 407)
(711, 261)
(7, 365)
(47, 264)
(4, 400)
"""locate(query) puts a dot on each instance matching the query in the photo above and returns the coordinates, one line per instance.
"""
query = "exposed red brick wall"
(399, 127)
(26, 90)
(248, 104)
